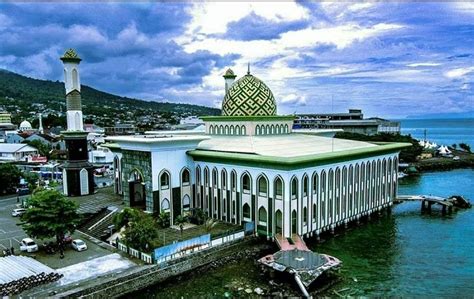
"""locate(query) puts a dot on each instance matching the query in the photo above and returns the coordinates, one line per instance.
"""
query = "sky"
(389, 59)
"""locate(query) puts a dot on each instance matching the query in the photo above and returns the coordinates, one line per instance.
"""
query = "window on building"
(233, 178)
(185, 177)
(214, 178)
(262, 215)
(224, 179)
(165, 205)
(305, 186)
(305, 216)
(315, 211)
(206, 177)
(186, 202)
(246, 183)
(246, 211)
(315, 183)
(278, 188)
(294, 188)
(262, 186)
(165, 180)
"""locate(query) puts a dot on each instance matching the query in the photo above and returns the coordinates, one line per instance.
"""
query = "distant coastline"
(443, 131)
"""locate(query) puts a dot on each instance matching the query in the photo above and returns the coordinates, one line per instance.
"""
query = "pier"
(295, 257)
(427, 201)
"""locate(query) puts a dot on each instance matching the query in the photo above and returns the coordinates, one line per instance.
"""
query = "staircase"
(97, 226)
(295, 242)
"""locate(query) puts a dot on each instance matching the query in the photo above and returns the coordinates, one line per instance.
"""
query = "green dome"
(249, 96)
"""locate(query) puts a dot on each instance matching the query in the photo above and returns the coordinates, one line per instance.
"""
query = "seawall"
(120, 284)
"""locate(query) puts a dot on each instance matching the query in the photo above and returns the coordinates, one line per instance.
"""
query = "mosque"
(249, 165)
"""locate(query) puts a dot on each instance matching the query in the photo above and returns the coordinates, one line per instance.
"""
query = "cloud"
(422, 64)
(214, 17)
(386, 58)
(459, 72)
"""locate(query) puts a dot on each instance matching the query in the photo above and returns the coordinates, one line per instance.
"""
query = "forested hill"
(23, 92)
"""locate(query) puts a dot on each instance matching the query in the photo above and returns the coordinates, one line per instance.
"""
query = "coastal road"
(10, 232)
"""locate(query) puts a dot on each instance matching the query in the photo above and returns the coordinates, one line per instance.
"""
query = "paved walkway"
(285, 245)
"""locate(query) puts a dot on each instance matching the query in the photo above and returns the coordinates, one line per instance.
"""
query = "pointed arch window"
(294, 188)
(262, 186)
(246, 183)
(278, 188)
(165, 181)
(185, 177)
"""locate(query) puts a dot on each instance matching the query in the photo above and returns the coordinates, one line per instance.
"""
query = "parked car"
(28, 245)
(79, 245)
(67, 239)
(18, 212)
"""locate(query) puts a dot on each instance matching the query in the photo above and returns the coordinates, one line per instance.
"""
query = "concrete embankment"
(120, 284)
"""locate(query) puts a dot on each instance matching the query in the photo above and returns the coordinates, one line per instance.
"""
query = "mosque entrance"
(136, 190)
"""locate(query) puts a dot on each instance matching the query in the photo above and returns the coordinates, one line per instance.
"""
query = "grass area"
(170, 235)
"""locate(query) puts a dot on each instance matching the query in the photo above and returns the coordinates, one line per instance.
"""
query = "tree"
(164, 219)
(454, 145)
(465, 147)
(181, 221)
(9, 177)
(210, 224)
(49, 215)
(31, 178)
(141, 233)
(125, 217)
(43, 148)
(197, 216)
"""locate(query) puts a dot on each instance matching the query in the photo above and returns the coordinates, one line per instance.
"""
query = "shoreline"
(466, 160)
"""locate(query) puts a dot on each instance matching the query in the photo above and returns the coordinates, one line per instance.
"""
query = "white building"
(101, 155)
(249, 166)
(16, 152)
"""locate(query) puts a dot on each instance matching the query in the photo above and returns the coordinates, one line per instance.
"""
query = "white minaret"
(72, 84)
(40, 129)
(229, 78)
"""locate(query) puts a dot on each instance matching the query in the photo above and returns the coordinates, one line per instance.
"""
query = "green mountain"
(23, 97)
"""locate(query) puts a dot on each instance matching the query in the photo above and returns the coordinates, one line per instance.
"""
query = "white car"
(28, 245)
(18, 212)
(79, 245)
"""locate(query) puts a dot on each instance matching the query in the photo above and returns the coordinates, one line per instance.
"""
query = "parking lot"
(11, 235)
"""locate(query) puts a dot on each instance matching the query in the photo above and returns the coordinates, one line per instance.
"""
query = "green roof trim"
(74, 133)
(70, 56)
(295, 162)
(249, 118)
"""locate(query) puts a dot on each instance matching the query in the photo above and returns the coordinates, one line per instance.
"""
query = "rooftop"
(15, 147)
(287, 145)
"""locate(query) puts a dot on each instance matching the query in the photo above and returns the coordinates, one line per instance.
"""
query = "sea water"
(442, 131)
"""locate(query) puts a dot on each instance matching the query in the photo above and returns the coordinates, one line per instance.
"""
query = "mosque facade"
(250, 166)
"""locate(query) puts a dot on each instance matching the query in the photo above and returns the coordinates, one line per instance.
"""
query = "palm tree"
(181, 221)
(210, 224)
